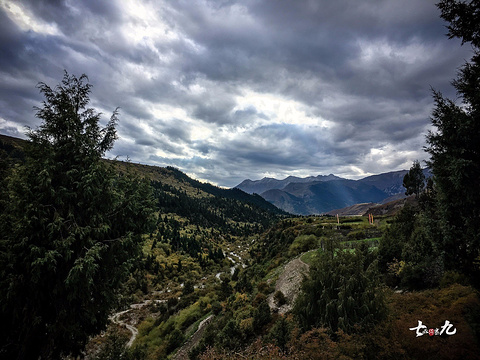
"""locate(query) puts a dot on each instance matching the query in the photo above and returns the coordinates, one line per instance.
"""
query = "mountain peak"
(322, 193)
(268, 183)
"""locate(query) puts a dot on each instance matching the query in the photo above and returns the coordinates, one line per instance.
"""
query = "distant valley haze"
(323, 193)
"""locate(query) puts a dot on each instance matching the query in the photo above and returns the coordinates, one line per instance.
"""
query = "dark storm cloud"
(10, 39)
(275, 146)
(227, 90)
(323, 45)
(76, 18)
(156, 135)
(214, 110)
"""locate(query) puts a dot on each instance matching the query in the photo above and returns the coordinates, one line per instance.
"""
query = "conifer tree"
(454, 146)
(70, 231)
(414, 180)
(341, 292)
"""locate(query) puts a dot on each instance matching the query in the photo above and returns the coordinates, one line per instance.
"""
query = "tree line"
(442, 234)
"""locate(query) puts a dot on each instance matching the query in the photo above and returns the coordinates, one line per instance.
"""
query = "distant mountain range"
(304, 196)
(323, 193)
(260, 186)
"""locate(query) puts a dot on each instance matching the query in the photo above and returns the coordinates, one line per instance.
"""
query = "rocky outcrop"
(289, 283)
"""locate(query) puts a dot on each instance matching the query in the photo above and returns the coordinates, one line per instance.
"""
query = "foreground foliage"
(70, 230)
(342, 292)
(454, 147)
(390, 338)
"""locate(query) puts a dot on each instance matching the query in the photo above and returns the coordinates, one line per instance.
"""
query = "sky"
(229, 90)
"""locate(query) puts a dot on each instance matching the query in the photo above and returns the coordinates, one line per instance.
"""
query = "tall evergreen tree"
(455, 145)
(414, 180)
(69, 231)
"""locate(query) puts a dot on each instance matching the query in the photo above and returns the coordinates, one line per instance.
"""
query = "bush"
(303, 243)
(356, 235)
(175, 339)
(263, 287)
(341, 292)
(230, 337)
(188, 316)
(262, 316)
(279, 298)
(188, 287)
(114, 347)
(452, 277)
(259, 298)
(280, 333)
(216, 308)
(411, 240)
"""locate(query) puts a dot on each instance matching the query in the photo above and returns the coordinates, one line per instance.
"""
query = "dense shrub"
(303, 243)
(341, 292)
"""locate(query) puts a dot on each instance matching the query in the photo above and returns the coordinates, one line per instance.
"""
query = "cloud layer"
(228, 90)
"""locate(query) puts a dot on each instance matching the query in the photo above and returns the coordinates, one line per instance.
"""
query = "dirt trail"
(289, 283)
(115, 318)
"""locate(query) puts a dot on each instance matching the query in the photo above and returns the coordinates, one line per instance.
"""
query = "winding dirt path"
(115, 318)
